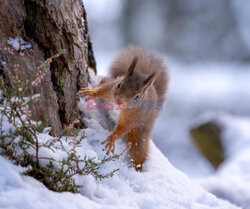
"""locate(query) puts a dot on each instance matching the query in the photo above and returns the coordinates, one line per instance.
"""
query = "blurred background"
(188, 30)
(206, 45)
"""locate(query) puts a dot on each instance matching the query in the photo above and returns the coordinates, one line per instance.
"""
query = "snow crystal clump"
(15, 43)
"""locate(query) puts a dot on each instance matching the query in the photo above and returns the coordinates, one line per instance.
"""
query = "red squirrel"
(136, 77)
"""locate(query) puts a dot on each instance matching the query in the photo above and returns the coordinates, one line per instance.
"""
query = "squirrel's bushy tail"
(147, 63)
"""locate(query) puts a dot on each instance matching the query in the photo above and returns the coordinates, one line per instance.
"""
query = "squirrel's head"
(133, 85)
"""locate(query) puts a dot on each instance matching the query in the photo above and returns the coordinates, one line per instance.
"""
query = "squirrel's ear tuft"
(132, 67)
(149, 80)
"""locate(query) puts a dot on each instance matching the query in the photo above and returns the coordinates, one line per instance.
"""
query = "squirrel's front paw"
(110, 145)
(87, 92)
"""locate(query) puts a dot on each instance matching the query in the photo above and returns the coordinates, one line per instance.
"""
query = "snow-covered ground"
(231, 181)
(160, 185)
(196, 88)
(192, 91)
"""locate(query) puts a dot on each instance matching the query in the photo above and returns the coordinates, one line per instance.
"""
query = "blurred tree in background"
(190, 30)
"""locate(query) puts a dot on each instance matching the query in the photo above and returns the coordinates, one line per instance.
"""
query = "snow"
(160, 185)
(222, 91)
(3, 62)
(24, 192)
(235, 170)
(15, 43)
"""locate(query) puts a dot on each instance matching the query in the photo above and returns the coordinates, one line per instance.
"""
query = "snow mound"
(231, 180)
(160, 185)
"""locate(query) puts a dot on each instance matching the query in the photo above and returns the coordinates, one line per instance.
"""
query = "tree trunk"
(49, 26)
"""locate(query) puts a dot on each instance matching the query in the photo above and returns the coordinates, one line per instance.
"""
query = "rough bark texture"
(49, 25)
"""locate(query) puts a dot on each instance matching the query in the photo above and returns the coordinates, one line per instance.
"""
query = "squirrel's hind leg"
(139, 145)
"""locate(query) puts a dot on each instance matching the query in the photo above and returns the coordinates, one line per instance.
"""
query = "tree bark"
(49, 25)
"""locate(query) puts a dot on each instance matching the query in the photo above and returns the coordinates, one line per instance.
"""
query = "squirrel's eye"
(136, 97)
(119, 85)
